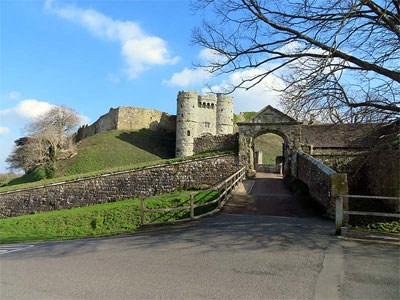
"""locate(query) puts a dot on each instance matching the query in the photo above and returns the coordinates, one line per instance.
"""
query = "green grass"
(111, 170)
(117, 148)
(96, 220)
(270, 145)
(389, 227)
(235, 119)
(36, 175)
(247, 115)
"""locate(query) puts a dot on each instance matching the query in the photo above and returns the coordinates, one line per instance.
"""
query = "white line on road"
(8, 249)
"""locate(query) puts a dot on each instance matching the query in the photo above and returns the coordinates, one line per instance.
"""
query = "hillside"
(117, 148)
(270, 145)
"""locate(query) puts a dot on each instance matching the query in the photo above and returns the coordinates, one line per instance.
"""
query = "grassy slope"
(117, 148)
(106, 151)
(96, 220)
(271, 146)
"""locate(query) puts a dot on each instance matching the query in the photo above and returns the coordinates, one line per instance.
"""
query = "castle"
(196, 116)
(201, 115)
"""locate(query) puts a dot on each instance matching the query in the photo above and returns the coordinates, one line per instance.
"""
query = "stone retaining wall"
(119, 186)
(216, 142)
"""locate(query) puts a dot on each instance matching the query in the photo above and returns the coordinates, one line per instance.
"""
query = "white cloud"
(26, 109)
(188, 77)
(4, 130)
(14, 95)
(84, 120)
(140, 50)
(263, 94)
(210, 56)
(199, 76)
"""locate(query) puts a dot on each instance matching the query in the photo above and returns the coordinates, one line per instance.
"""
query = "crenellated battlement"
(198, 115)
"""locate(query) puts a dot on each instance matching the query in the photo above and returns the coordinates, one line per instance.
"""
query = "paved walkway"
(269, 196)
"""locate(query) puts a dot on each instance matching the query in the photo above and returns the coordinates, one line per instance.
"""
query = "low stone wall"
(215, 142)
(119, 186)
(323, 182)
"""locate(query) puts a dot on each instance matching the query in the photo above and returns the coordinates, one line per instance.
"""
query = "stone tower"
(224, 114)
(199, 115)
(186, 122)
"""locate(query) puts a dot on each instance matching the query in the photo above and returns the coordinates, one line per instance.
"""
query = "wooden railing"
(340, 212)
(224, 190)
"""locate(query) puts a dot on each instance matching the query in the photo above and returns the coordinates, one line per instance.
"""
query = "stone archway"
(268, 120)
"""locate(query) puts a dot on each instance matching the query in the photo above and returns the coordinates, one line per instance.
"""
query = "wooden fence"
(224, 189)
(340, 212)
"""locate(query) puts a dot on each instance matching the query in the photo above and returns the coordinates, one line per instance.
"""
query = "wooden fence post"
(142, 210)
(219, 198)
(191, 206)
(339, 214)
(226, 191)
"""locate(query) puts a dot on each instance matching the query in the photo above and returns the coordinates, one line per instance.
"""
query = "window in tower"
(188, 133)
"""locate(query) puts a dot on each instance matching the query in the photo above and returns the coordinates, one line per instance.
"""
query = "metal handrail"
(235, 178)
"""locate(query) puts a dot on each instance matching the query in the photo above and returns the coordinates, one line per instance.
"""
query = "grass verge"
(96, 220)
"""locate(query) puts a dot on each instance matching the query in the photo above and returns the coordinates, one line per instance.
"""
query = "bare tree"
(55, 127)
(338, 57)
(48, 135)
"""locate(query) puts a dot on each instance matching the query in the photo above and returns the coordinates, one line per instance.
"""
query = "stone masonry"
(119, 186)
(219, 142)
(129, 118)
(201, 115)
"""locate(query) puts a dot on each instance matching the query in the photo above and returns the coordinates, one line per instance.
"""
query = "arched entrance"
(268, 120)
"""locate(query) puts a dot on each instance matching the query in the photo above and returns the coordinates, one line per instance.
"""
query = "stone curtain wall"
(129, 118)
(106, 122)
(119, 186)
(135, 118)
(323, 182)
(218, 142)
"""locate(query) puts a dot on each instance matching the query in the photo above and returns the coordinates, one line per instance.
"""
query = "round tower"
(224, 114)
(186, 122)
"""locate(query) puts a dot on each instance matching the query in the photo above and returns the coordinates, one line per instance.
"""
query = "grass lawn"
(117, 148)
(96, 220)
(271, 147)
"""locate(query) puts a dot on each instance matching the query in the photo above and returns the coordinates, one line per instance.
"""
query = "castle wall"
(201, 115)
(224, 114)
(186, 122)
(206, 116)
(106, 122)
(147, 181)
(208, 143)
(135, 118)
(129, 118)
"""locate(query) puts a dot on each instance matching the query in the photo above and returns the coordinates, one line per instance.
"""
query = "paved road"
(269, 196)
(230, 256)
(224, 257)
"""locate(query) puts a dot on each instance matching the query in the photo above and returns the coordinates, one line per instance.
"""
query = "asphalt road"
(230, 256)
(224, 257)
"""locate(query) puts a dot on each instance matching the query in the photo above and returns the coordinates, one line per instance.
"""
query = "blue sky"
(93, 55)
